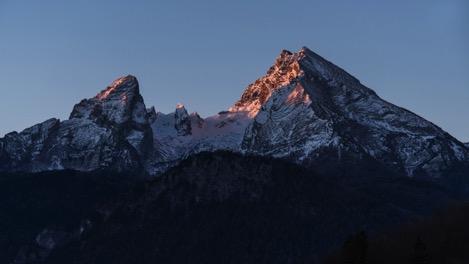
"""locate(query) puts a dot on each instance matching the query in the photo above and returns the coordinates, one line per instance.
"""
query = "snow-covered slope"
(304, 109)
(179, 134)
(306, 106)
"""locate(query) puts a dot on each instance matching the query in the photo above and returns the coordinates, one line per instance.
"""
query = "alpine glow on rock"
(305, 109)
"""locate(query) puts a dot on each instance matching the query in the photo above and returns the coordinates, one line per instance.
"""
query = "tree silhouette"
(355, 249)
(420, 252)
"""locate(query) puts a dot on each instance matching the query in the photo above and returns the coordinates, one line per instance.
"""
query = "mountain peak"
(305, 98)
(307, 51)
(287, 57)
(180, 106)
(284, 53)
(285, 71)
(182, 122)
(289, 69)
(119, 87)
(283, 59)
(119, 102)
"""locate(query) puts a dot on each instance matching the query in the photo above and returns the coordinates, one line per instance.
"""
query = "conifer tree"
(355, 249)
(420, 252)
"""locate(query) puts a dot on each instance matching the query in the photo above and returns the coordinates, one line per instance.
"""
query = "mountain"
(109, 130)
(305, 109)
(306, 106)
(312, 112)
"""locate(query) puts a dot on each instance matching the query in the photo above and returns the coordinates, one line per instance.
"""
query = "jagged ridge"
(305, 109)
(110, 130)
(315, 108)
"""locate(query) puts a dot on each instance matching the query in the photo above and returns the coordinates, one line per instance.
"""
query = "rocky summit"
(305, 109)
(110, 130)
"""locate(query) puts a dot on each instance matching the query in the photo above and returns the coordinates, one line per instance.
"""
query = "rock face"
(304, 109)
(20, 150)
(182, 121)
(306, 106)
(109, 130)
(310, 111)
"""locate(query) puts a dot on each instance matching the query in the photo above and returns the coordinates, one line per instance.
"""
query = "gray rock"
(305, 109)
(306, 106)
(109, 130)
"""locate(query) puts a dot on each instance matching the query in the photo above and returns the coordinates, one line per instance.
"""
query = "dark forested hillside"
(43, 211)
(439, 239)
(227, 208)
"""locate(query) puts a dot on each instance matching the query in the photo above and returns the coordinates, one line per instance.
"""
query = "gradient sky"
(204, 53)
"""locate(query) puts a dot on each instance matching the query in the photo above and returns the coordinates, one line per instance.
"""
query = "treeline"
(440, 239)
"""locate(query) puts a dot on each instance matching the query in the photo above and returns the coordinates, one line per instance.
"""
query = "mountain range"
(307, 157)
(305, 109)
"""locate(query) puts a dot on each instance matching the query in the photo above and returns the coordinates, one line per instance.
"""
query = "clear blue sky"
(203, 53)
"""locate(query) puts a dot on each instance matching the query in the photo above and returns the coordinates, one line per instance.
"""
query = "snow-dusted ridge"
(306, 106)
(304, 109)
(109, 130)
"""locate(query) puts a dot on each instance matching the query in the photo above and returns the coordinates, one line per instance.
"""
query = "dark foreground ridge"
(212, 208)
(441, 238)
